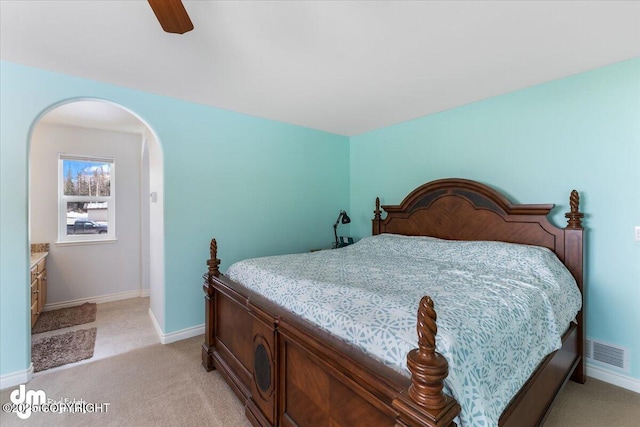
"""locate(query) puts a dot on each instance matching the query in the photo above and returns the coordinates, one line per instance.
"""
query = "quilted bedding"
(501, 307)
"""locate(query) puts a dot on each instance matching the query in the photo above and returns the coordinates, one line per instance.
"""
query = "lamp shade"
(343, 218)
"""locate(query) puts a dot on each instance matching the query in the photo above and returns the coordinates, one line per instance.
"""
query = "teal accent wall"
(259, 186)
(536, 144)
(263, 187)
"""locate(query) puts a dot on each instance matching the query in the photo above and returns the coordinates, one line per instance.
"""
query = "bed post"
(428, 371)
(209, 306)
(213, 262)
(573, 246)
(376, 218)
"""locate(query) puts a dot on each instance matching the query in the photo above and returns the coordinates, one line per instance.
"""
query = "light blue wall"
(536, 144)
(259, 186)
(264, 187)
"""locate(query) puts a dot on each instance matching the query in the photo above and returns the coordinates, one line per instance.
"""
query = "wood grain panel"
(306, 375)
(314, 397)
(349, 409)
(234, 329)
(301, 410)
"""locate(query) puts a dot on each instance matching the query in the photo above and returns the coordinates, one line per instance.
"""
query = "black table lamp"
(344, 218)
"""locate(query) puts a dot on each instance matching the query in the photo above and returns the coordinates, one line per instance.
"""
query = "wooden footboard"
(290, 374)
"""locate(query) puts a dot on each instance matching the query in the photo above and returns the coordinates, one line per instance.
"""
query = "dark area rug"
(58, 350)
(65, 317)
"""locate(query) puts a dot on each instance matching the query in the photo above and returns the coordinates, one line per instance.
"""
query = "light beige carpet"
(159, 385)
(595, 404)
(57, 350)
(65, 317)
(165, 385)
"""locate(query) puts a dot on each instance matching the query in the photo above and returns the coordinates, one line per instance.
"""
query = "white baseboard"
(16, 378)
(614, 378)
(156, 326)
(175, 336)
(99, 300)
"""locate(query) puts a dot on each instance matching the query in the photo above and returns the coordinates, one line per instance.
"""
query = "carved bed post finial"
(377, 218)
(208, 347)
(428, 367)
(213, 262)
(574, 216)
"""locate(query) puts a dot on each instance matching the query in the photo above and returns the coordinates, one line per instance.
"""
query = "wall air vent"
(611, 355)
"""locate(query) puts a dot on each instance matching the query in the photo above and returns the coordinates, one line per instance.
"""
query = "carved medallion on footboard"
(262, 403)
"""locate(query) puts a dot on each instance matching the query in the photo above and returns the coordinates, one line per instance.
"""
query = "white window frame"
(63, 199)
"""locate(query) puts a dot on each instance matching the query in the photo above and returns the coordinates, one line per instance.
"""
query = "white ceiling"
(95, 115)
(342, 66)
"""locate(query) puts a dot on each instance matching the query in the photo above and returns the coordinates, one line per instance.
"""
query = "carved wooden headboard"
(460, 209)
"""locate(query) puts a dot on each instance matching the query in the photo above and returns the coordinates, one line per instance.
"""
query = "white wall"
(86, 271)
(144, 215)
(156, 230)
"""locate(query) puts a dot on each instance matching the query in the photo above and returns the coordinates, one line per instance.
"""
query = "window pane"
(87, 218)
(86, 178)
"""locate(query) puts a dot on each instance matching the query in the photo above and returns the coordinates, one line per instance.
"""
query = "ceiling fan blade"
(172, 15)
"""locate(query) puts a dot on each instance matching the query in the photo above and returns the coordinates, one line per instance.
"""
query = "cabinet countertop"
(36, 257)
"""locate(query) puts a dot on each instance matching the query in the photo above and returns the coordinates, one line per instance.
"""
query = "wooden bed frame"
(289, 372)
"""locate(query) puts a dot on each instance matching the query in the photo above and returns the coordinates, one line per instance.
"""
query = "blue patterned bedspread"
(501, 307)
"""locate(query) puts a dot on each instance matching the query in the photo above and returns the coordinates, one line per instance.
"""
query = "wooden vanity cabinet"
(38, 289)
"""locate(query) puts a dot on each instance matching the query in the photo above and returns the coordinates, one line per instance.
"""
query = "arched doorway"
(129, 264)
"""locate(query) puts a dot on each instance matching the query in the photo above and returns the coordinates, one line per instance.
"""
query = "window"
(86, 198)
